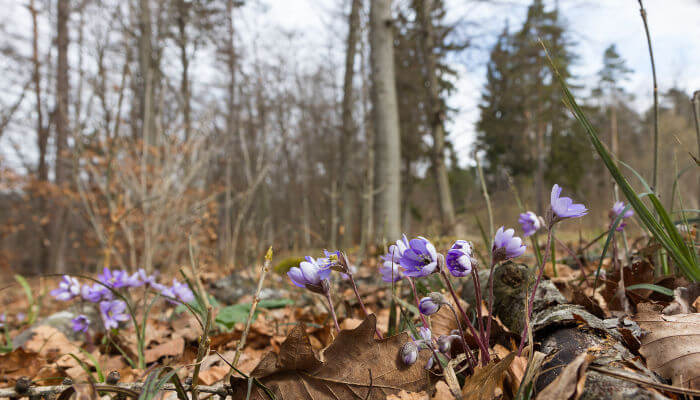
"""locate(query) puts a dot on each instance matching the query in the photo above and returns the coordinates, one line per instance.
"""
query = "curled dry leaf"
(672, 346)
(354, 356)
(569, 384)
(483, 383)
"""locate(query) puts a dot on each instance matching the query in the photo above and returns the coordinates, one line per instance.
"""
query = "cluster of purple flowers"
(114, 311)
(616, 211)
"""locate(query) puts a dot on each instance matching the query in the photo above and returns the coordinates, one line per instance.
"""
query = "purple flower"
(118, 279)
(425, 334)
(182, 292)
(391, 271)
(80, 323)
(444, 342)
(310, 275)
(430, 362)
(427, 306)
(506, 246)
(460, 259)
(564, 207)
(420, 259)
(113, 312)
(352, 268)
(144, 278)
(68, 288)
(409, 353)
(95, 293)
(21, 316)
(617, 209)
(530, 223)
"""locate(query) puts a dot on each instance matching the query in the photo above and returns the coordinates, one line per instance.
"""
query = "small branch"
(251, 313)
(202, 352)
(52, 391)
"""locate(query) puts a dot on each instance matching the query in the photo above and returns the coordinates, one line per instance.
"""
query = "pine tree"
(525, 129)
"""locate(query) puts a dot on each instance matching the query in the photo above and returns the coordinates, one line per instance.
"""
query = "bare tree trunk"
(146, 73)
(696, 115)
(435, 115)
(539, 170)
(61, 119)
(368, 195)
(230, 132)
(346, 139)
(182, 18)
(42, 142)
(386, 120)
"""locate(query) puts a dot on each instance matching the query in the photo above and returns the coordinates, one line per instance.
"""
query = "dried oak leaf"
(569, 384)
(354, 356)
(672, 346)
(483, 383)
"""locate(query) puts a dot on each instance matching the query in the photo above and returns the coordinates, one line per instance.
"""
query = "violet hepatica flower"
(444, 342)
(420, 259)
(409, 353)
(118, 279)
(310, 275)
(506, 245)
(431, 304)
(460, 259)
(182, 292)
(95, 293)
(113, 312)
(425, 334)
(530, 223)
(617, 209)
(391, 271)
(564, 207)
(81, 323)
(67, 289)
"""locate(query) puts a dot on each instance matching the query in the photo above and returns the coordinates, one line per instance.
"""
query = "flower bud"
(425, 334)
(430, 363)
(431, 304)
(409, 353)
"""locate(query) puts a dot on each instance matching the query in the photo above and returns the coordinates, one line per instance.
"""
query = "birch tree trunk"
(435, 116)
(386, 121)
(346, 139)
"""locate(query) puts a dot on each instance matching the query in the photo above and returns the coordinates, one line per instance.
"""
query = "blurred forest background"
(133, 129)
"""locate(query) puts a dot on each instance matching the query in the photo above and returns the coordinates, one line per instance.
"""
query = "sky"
(310, 30)
(594, 24)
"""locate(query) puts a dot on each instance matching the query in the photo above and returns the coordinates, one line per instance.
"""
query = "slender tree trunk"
(182, 18)
(61, 118)
(435, 115)
(347, 136)
(146, 73)
(696, 115)
(386, 120)
(42, 142)
(231, 122)
(367, 230)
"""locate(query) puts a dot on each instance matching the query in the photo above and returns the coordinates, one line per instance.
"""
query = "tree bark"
(348, 133)
(386, 121)
(61, 121)
(182, 18)
(435, 115)
(146, 73)
(42, 142)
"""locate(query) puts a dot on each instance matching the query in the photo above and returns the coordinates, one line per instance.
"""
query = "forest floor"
(657, 326)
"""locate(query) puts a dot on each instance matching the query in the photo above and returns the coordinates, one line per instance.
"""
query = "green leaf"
(611, 233)
(31, 315)
(274, 303)
(237, 313)
(649, 286)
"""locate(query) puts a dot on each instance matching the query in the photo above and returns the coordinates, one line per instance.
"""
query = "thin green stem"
(655, 178)
(332, 308)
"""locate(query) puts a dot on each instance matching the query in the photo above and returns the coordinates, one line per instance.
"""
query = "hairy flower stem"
(477, 289)
(534, 290)
(332, 308)
(482, 347)
(362, 305)
(415, 296)
(467, 350)
(488, 324)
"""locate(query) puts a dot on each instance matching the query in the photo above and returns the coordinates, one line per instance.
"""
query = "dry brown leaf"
(483, 383)
(50, 343)
(404, 395)
(345, 374)
(213, 374)
(19, 363)
(442, 392)
(569, 384)
(672, 346)
(171, 348)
